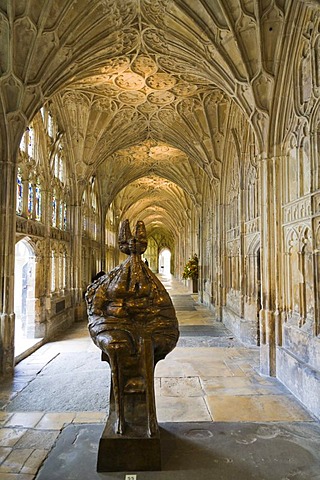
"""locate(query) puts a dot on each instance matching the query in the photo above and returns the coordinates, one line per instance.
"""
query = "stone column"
(76, 259)
(7, 252)
(220, 259)
(242, 219)
(177, 257)
(116, 251)
(270, 321)
(45, 275)
(103, 239)
(201, 251)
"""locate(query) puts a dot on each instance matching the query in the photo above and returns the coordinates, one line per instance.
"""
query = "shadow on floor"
(220, 451)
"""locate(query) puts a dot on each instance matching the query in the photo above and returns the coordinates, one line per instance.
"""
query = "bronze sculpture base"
(133, 451)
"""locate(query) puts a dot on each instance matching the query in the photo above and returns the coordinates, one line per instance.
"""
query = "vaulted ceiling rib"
(120, 73)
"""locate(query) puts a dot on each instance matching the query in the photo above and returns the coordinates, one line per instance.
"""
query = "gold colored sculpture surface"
(132, 320)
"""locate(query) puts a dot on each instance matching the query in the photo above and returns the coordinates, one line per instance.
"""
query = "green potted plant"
(191, 270)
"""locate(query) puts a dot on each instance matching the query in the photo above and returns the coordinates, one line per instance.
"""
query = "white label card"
(131, 477)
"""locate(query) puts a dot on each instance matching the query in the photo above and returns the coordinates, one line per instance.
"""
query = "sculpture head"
(132, 244)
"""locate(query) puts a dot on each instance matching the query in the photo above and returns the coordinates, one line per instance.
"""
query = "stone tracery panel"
(299, 278)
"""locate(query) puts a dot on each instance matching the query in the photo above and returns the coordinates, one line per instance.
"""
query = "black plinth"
(134, 450)
(128, 453)
(123, 454)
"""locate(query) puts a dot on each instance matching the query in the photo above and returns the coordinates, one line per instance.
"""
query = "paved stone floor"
(219, 418)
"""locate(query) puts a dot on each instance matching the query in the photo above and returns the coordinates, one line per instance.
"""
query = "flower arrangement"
(191, 269)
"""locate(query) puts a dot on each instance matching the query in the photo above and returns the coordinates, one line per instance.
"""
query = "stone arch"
(253, 253)
(252, 287)
(315, 143)
(25, 300)
(152, 253)
(165, 261)
(295, 95)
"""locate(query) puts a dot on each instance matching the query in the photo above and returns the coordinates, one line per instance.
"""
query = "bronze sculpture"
(132, 320)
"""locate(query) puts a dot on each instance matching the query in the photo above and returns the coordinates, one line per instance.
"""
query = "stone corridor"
(217, 414)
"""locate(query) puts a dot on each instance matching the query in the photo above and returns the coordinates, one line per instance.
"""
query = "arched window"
(29, 202)
(84, 212)
(50, 128)
(94, 214)
(90, 211)
(24, 143)
(30, 199)
(27, 141)
(59, 194)
(54, 209)
(19, 201)
(30, 141)
(38, 200)
(58, 167)
(62, 269)
(47, 121)
(59, 217)
(94, 210)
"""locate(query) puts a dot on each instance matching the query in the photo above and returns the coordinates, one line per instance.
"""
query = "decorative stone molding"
(296, 211)
(30, 227)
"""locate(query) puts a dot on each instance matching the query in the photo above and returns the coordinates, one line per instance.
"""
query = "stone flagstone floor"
(209, 377)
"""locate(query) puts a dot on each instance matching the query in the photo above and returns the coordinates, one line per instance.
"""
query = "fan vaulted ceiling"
(143, 88)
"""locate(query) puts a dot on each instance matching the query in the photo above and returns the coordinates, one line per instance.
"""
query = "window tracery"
(59, 196)
(110, 237)
(30, 199)
(29, 184)
(19, 199)
(48, 122)
(91, 211)
(84, 212)
(27, 143)
(59, 268)
(38, 201)
(54, 210)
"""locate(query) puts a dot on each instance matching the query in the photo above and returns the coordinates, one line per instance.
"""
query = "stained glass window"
(65, 216)
(61, 214)
(30, 199)
(54, 210)
(19, 206)
(38, 202)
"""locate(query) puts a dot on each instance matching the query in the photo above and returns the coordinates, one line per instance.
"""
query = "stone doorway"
(165, 262)
(24, 296)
